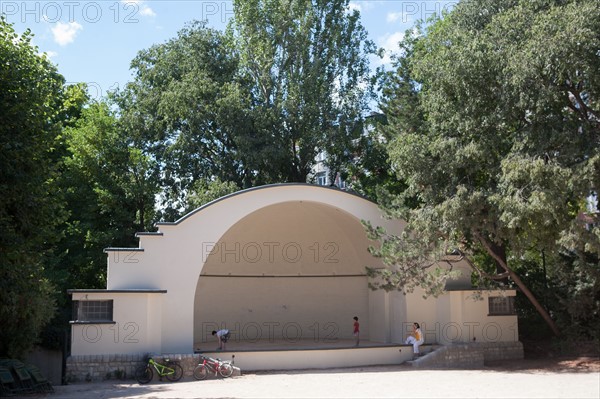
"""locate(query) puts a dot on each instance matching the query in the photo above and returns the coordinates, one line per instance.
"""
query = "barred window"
(321, 178)
(93, 310)
(501, 305)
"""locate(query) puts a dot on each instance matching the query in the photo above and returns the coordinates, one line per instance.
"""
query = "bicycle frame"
(161, 369)
(144, 374)
(211, 364)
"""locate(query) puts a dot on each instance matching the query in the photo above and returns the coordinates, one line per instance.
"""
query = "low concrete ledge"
(298, 359)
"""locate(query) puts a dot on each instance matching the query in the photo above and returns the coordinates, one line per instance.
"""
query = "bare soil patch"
(550, 356)
(560, 364)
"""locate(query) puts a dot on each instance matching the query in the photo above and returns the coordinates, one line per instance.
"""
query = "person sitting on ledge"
(416, 339)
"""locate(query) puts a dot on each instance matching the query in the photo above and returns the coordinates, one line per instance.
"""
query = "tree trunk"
(496, 252)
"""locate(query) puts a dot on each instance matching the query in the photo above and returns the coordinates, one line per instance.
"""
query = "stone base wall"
(471, 355)
(120, 367)
(502, 351)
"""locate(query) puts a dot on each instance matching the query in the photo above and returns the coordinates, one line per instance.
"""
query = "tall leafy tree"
(31, 92)
(109, 187)
(308, 65)
(369, 172)
(506, 148)
(186, 109)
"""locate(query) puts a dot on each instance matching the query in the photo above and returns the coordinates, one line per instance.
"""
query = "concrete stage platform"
(307, 354)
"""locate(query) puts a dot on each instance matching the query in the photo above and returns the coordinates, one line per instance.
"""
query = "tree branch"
(502, 263)
(580, 106)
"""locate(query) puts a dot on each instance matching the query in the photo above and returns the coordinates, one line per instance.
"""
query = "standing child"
(356, 330)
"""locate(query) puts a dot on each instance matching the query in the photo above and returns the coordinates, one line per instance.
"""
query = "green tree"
(369, 172)
(203, 192)
(186, 109)
(310, 81)
(109, 187)
(30, 98)
(506, 149)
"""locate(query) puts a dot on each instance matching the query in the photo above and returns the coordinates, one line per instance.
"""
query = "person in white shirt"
(223, 336)
(416, 339)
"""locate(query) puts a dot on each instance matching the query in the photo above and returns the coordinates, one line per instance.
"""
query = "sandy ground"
(566, 378)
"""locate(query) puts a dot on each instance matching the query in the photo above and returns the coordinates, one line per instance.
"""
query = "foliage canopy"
(494, 114)
(30, 100)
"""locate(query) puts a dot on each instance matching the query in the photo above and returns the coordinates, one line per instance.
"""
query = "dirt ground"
(579, 364)
(541, 377)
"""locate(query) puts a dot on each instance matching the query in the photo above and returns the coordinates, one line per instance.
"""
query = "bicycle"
(217, 366)
(173, 371)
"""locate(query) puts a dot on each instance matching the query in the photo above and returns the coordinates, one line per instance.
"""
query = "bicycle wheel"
(176, 376)
(200, 372)
(226, 369)
(144, 374)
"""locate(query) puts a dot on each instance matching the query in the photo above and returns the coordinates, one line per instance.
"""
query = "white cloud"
(394, 16)
(389, 43)
(143, 9)
(354, 6)
(50, 54)
(363, 6)
(147, 11)
(404, 16)
(390, 40)
(64, 33)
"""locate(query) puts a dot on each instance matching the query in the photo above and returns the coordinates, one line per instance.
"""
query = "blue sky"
(95, 41)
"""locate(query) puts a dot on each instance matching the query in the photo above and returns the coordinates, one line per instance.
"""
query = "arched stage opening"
(289, 271)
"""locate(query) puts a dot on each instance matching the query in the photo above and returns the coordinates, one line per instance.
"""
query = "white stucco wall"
(457, 317)
(136, 328)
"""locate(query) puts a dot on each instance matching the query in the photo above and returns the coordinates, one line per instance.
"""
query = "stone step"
(467, 355)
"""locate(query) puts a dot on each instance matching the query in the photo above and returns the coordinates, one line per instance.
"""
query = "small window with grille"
(93, 310)
(501, 305)
(321, 179)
